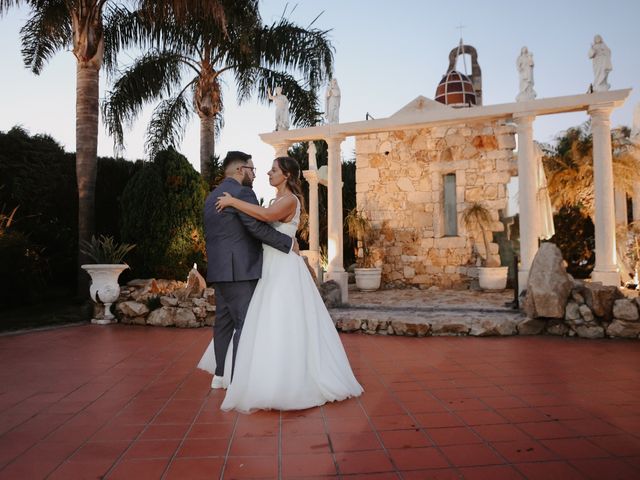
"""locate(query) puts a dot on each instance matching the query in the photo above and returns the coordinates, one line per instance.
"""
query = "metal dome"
(456, 90)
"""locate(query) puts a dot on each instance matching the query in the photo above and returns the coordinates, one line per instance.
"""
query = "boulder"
(600, 299)
(196, 283)
(209, 295)
(556, 327)
(348, 324)
(589, 331)
(168, 301)
(132, 309)
(210, 319)
(549, 284)
(623, 329)
(410, 329)
(494, 327)
(625, 309)
(162, 317)
(184, 318)
(586, 314)
(331, 293)
(572, 311)
(531, 326)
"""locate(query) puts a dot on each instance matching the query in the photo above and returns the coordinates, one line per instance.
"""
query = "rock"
(200, 312)
(623, 329)
(132, 309)
(348, 324)
(168, 301)
(549, 284)
(600, 299)
(572, 311)
(134, 320)
(531, 326)
(625, 309)
(450, 329)
(493, 327)
(199, 302)
(184, 318)
(331, 294)
(162, 317)
(209, 295)
(210, 319)
(196, 283)
(586, 314)
(585, 331)
(410, 329)
(577, 297)
(556, 327)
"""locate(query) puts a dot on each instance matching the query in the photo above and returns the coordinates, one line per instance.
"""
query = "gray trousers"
(232, 303)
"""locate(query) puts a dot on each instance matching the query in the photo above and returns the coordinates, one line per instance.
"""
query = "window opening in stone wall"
(450, 210)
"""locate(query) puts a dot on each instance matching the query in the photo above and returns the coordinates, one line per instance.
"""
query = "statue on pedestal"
(332, 109)
(601, 57)
(525, 71)
(282, 108)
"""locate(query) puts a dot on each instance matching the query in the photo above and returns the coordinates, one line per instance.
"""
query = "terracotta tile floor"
(127, 403)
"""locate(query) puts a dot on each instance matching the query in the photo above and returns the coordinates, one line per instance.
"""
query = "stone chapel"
(415, 184)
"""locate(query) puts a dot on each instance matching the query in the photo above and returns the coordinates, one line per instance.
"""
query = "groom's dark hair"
(235, 156)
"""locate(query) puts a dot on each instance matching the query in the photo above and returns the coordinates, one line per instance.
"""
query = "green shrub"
(162, 214)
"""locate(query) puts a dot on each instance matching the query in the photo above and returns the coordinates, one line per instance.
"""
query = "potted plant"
(491, 275)
(109, 256)
(368, 276)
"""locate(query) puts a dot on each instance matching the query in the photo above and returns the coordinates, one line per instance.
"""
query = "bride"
(290, 356)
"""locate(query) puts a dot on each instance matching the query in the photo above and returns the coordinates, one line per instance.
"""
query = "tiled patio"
(126, 402)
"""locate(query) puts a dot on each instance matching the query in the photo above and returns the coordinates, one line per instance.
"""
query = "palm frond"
(5, 5)
(286, 46)
(167, 124)
(303, 104)
(151, 76)
(45, 32)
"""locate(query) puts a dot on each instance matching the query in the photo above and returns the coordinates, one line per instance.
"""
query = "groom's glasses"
(253, 169)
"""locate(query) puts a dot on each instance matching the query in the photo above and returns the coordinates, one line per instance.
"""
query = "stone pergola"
(598, 105)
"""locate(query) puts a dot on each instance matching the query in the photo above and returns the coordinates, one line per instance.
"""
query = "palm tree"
(56, 25)
(186, 63)
(569, 167)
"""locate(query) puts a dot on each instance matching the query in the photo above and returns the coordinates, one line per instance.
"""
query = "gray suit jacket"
(234, 240)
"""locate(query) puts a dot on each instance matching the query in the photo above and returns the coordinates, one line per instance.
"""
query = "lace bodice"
(291, 227)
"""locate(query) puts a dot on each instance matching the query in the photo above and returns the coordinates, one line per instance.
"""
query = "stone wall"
(399, 183)
(167, 303)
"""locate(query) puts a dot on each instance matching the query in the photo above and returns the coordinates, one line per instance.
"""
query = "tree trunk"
(87, 105)
(207, 144)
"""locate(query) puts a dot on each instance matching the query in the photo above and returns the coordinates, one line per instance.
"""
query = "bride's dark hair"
(291, 170)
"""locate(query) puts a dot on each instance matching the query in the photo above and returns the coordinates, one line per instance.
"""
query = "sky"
(386, 54)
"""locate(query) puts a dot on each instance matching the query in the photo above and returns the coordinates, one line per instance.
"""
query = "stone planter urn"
(104, 287)
(368, 279)
(493, 278)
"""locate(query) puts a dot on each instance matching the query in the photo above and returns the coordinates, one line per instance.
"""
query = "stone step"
(426, 321)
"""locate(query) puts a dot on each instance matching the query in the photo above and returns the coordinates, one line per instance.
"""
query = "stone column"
(620, 206)
(636, 202)
(606, 269)
(527, 197)
(311, 176)
(334, 213)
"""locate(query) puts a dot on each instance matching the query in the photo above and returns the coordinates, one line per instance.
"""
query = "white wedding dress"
(290, 356)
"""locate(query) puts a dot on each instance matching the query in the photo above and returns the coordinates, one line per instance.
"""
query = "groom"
(234, 252)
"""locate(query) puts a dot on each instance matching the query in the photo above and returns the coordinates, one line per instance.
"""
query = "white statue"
(635, 126)
(601, 56)
(332, 109)
(525, 71)
(282, 108)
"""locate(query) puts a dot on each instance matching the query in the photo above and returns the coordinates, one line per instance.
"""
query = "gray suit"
(234, 254)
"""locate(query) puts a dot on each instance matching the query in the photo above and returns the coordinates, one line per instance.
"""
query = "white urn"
(104, 287)
(368, 279)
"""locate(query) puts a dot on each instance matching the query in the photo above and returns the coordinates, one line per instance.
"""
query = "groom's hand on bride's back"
(295, 248)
